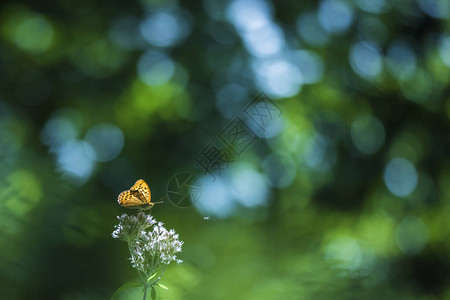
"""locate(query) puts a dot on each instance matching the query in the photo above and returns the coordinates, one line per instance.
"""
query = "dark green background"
(334, 230)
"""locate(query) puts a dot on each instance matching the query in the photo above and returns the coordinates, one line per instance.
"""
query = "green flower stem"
(145, 292)
(162, 272)
(142, 278)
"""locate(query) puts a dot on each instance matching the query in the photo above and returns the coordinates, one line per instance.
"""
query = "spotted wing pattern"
(143, 190)
(138, 196)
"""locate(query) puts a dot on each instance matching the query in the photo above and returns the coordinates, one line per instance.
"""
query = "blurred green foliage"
(346, 197)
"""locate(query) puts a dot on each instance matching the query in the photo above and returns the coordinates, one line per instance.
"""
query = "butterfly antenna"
(159, 201)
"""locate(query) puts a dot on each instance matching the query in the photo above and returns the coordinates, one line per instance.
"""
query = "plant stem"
(145, 292)
(162, 272)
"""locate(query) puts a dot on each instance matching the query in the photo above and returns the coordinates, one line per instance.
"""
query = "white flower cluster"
(130, 228)
(149, 249)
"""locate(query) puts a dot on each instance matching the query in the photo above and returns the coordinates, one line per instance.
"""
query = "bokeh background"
(345, 197)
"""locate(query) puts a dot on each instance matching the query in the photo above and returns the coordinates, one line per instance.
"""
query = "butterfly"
(137, 197)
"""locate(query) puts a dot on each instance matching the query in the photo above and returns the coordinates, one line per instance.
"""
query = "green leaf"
(151, 277)
(162, 286)
(128, 285)
(153, 293)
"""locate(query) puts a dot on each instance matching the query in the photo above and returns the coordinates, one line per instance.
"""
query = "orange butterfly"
(137, 197)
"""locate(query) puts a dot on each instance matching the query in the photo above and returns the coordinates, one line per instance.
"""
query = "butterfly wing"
(127, 199)
(143, 191)
(137, 197)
